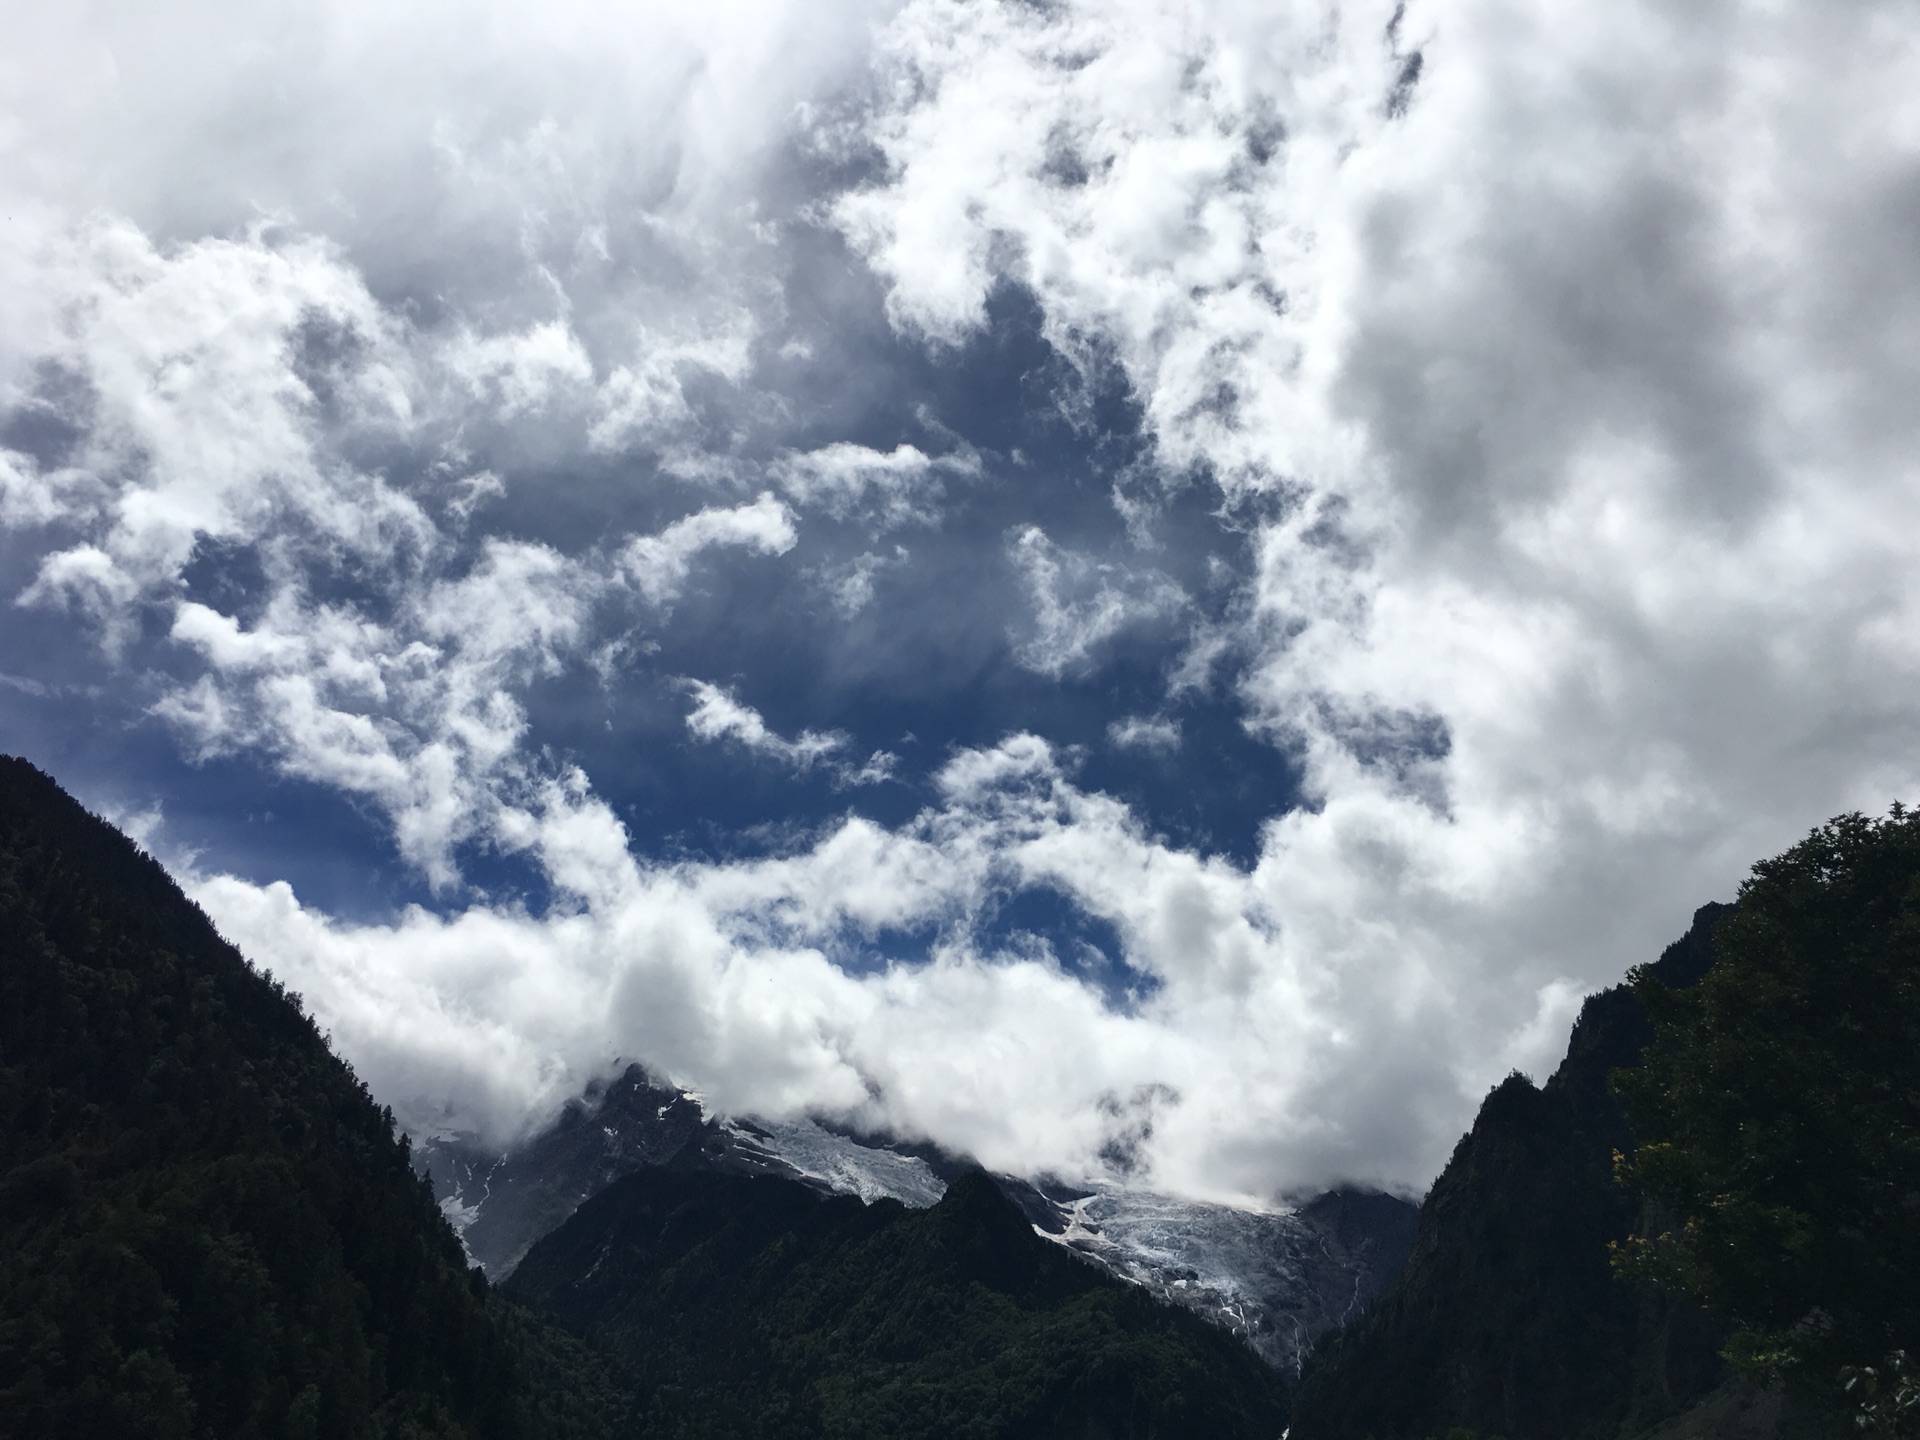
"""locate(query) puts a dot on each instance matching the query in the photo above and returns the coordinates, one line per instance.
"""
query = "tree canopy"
(1778, 1110)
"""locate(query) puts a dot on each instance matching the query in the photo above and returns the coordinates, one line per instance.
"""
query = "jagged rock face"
(500, 1204)
(1278, 1279)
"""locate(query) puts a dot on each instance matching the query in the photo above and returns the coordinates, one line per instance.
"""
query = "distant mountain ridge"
(1278, 1280)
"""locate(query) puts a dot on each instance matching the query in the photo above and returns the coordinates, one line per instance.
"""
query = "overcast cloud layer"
(1131, 587)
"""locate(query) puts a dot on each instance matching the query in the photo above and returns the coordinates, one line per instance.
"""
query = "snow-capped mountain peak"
(1277, 1278)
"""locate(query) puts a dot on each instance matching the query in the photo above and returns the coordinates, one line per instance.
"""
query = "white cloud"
(521, 370)
(891, 488)
(644, 402)
(1605, 542)
(216, 378)
(659, 564)
(31, 496)
(878, 769)
(1078, 603)
(1568, 414)
(850, 586)
(722, 974)
(422, 717)
(202, 425)
(1145, 732)
(1159, 174)
(717, 715)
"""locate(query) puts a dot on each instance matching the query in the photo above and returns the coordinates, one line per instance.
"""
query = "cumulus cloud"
(1553, 416)
(421, 717)
(724, 973)
(31, 496)
(198, 421)
(1162, 177)
(208, 390)
(645, 400)
(523, 370)
(1558, 406)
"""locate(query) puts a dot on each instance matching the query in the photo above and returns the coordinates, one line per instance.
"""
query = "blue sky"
(1023, 574)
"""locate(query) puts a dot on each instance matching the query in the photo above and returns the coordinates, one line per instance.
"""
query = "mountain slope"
(757, 1306)
(1508, 1319)
(501, 1203)
(207, 1227)
(1277, 1279)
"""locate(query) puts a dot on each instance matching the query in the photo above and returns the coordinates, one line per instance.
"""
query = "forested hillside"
(743, 1305)
(207, 1226)
(1716, 1195)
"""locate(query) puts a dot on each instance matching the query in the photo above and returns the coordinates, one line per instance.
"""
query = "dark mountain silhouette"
(1508, 1319)
(207, 1227)
(740, 1305)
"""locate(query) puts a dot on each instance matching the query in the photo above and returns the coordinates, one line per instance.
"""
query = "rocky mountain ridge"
(1508, 1319)
(1278, 1279)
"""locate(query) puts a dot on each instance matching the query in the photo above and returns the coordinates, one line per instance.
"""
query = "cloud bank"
(1464, 446)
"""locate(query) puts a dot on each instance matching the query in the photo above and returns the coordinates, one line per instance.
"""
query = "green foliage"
(207, 1227)
(1885, 1397)
(1778, 1111)
(753, 1307)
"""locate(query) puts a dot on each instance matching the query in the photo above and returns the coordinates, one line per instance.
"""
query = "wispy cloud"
(1144, 732)
(1078, 604)
(659, 564)
(892, 488)
(716, 715)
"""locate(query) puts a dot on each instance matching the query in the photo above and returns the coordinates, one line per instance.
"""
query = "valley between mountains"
(209, 1226)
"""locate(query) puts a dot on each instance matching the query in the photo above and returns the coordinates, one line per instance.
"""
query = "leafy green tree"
(1886, 1398)
(1778, 1111)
